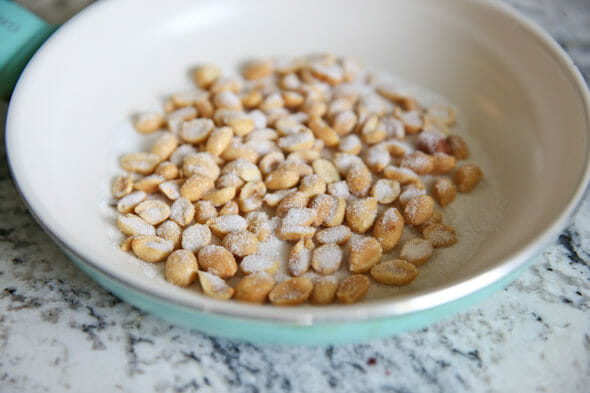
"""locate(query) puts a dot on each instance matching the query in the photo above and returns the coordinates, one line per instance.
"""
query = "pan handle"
(21, 34)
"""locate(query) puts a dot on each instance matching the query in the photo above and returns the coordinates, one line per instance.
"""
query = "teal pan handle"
(21, 34)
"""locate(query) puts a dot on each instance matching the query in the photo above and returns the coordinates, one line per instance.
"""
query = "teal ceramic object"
(101, 66)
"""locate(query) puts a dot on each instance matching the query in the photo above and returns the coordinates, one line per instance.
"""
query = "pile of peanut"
(320, 142)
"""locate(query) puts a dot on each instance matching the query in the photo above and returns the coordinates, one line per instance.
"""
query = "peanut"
(363, 254)
(394, 272)
(353, 288)
(217, 260)
(467, 177)
(388, 229)
(291, 292)
(182, 268)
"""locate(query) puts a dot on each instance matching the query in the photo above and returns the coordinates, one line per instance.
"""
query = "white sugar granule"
(349, 142)
(339, 189)
(256, 263)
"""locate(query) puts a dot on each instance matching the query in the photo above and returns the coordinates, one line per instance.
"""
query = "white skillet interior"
(117, 58)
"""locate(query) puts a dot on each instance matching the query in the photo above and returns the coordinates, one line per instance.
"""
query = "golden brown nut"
(363, 254)
(353, 288)
(324, 290)
(217, 260)
(394, 272)
(182, 268)
(388, 229)
(418, 209)
(151, 248)
(215, 286)
(444, 191)
(361, 214)
(467, 177)
(416, 251)
(254, 288)
(291, 292)
(241, 243)
(326, 259)
(440, 235)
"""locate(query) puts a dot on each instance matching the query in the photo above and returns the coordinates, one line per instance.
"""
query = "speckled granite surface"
(60, 331)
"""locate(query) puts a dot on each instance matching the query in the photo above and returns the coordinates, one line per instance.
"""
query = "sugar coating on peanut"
(317, 151)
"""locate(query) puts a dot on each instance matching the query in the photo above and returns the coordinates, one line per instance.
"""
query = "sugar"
(256, 263)
(339, 189)
(333, 235)
(195, 237)
(327, 258)
(230, 223)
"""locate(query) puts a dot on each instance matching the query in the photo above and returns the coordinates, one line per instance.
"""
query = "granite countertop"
(60, 331)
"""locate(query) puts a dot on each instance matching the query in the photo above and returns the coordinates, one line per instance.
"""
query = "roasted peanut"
(217, 260)
(195, 237)
(151, 248)
(144, 163)
(164, 146)
(170, 230)
(214, 286)
(326, 259)
(195, 187)
(440, 235)
(418, 209)
(361, 214)
(386, 191)
(122, 186)
(254, 288)
(324, 290)
(338, 235)
(363, 253)
(394, 272)
(416, 251)
(388, 228)
(359, 180)
(182, 211)
(182, 268)
(291, 292)
(149, 184)
(132, 225)
(205, 75)
(258, 263)
(241, 243)
(148, 122)
(444, 191)
(153, 211)
(167, 170)
(353, 288)
(467, 177)
(326, 170)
